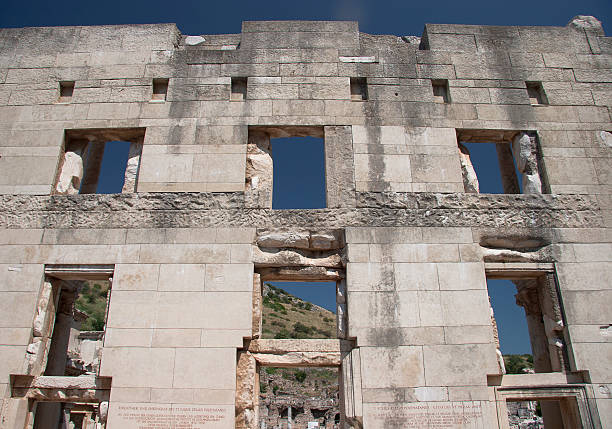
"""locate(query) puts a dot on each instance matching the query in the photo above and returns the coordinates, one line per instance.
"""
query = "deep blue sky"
(399, 17)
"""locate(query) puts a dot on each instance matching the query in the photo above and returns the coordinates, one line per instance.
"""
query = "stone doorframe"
(290, 353)
(577, 401)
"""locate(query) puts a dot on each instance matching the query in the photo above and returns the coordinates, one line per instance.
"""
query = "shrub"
(300, 375)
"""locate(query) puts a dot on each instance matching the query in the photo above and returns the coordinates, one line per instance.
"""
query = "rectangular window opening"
(440, 90)
(543, 413)
(299, 310)
(299, 173)
(69, 415)
(359, 89)
(527, 323)
(65, 91)
(239, 89)
(299, 397)
(104, 161)
(535, 91)
(500, 162)
(160, 89)
(69, 332)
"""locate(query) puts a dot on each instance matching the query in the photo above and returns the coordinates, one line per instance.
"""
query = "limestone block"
(570, 171)
(388, 168)
(416, 276)
(21, 277)
(180, 310)
(224, 337)
(84, 236)
(241, 254)
(584, 276)
(392, 367)
(11, 359)
(227, 310)
(217, 365)
(145, 235)
(181, 277)
(467, 307)
(297, 107)
(132, 309)
(463, 276)
(166, 168)
(430, 309)
(176, 338)
(108, 111)
(219, 168)
(135, 277)
(17, 309)
(117, 337)
(225, 135)
(459, 365)
(470, 95)
(18, 170)
(596, 252)
(586, 307)
(184, 253)
(130, 394)
(370, 277)
(229, 277)
(14, 336)
(440, 169)
(468, 334)
(124, 365)
(309, 69)
(423, 253)
(383, 309)
(596, 358)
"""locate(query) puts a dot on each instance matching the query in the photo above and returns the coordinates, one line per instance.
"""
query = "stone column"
(71, 174)
(470, 181)
(49, 414)
(339, 167)
(506, 168)
(132, 167)
(92, 162)
(524, 148)
(260, 169)
(527, 297)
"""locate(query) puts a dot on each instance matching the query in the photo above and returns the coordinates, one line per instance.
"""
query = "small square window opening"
(536, 93)
(239, 89)
(440, 91)
(160, 89)
(359, 89)
(66, 89)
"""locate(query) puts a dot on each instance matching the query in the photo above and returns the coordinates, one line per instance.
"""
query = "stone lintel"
(61, 388)
(517, 270)
(79, 272)
(302, 346)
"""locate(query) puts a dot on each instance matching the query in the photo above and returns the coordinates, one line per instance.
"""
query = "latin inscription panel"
(155, 416)
(426, 415)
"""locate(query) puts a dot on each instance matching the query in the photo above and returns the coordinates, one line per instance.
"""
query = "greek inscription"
(439, 416)
(143, 417)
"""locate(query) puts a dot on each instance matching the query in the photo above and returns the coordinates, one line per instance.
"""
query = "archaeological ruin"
(141, 306)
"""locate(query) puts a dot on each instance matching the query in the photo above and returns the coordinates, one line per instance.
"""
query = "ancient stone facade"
(407, 234)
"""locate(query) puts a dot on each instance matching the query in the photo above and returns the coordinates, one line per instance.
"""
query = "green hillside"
(92, 301)
(517, 364)
(287, 316)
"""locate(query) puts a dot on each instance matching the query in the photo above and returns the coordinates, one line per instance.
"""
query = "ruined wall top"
(581, 34)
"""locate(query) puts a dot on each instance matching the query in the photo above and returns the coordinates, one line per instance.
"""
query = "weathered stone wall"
(417, 246)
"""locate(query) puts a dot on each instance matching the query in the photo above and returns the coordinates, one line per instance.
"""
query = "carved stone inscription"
(151, 416)
(431, 415)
